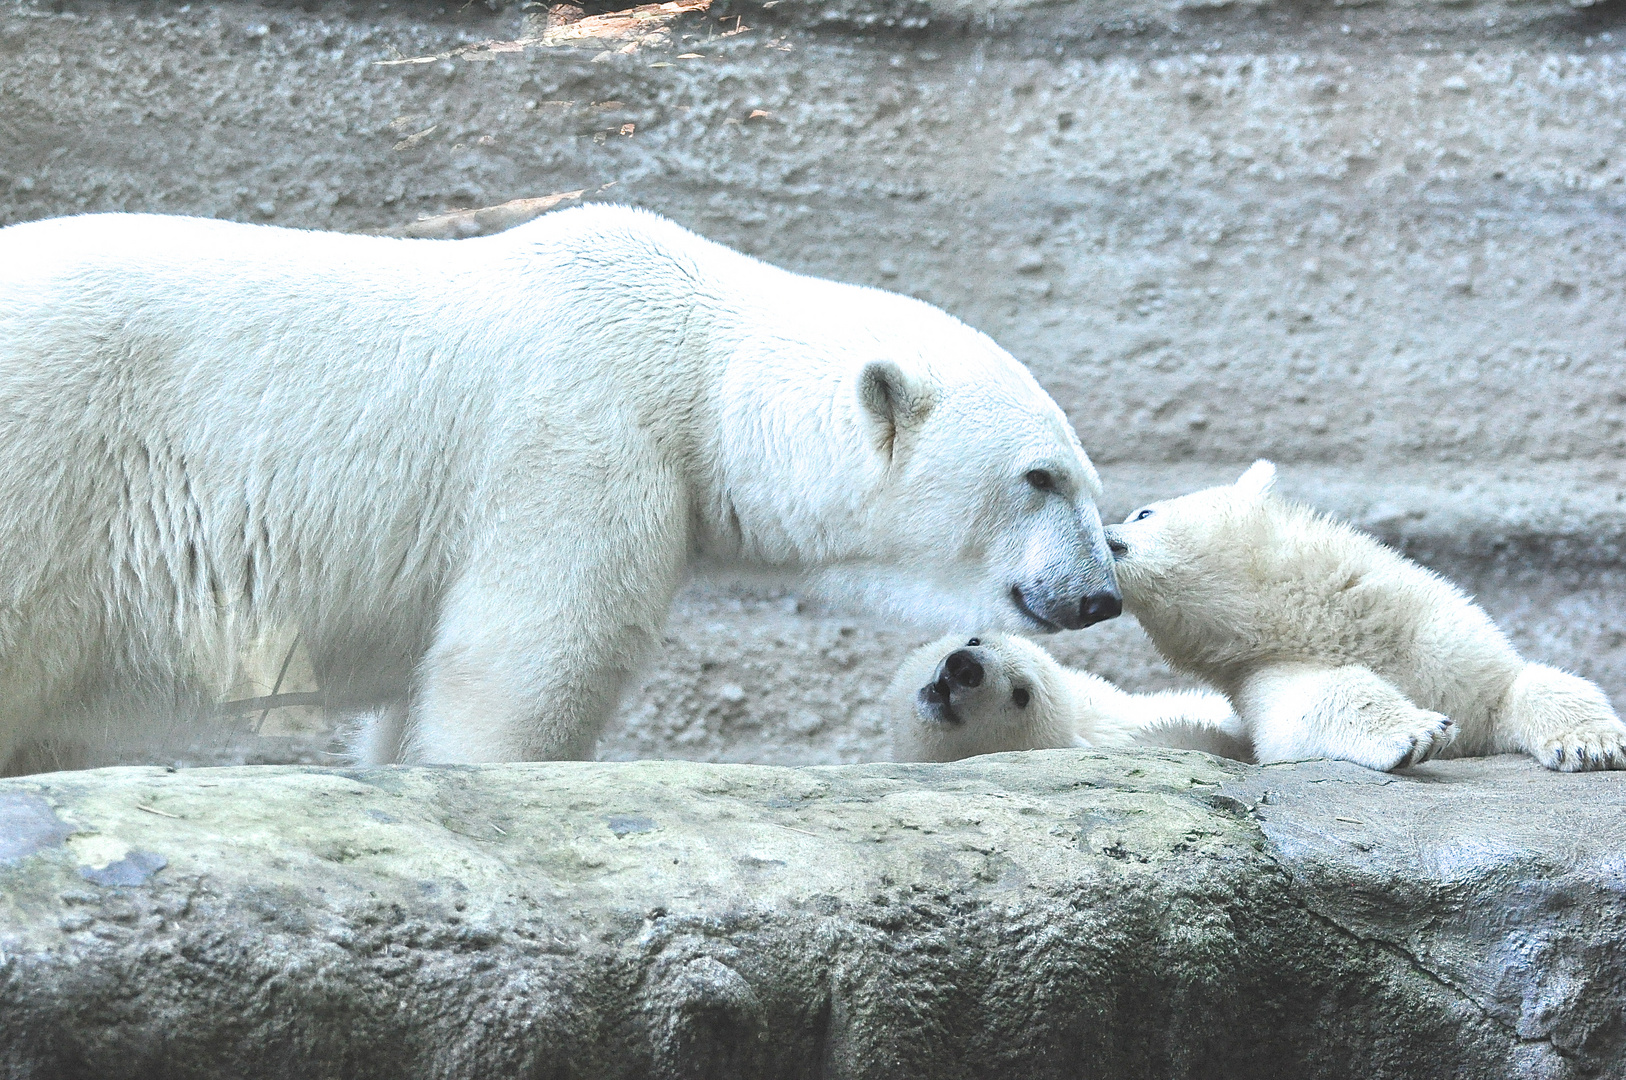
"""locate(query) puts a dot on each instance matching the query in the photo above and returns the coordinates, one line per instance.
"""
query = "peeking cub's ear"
(1258, 480)
(893, 401)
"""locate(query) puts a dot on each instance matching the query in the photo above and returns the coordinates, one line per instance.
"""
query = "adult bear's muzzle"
(1071, 583)
(1067, 612)
(1101, 606)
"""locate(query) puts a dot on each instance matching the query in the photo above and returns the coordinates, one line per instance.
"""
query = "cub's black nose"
(1099, 607)
(962, 668)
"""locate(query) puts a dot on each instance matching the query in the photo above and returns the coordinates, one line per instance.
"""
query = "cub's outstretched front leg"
(1295, 711)
(1561, 720)
(1191, 720)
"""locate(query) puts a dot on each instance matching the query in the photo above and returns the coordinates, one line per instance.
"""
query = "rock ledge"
(1071, 913)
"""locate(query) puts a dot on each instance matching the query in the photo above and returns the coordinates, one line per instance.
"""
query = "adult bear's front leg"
(1295, 711)
(539, 636)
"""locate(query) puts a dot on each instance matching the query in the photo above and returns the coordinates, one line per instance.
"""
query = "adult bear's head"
(909, 464)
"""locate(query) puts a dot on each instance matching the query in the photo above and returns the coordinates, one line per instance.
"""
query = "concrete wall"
(1381, 244)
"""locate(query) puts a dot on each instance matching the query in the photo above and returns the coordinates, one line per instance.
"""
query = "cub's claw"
(1588, 748)
(1423, 737)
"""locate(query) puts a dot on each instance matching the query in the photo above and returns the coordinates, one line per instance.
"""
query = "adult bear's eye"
(1020, 696)
(1042, 479)
(974, 642)
(1142, 515)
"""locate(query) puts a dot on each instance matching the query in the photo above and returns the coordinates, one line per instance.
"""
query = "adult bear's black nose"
(1099, 607)
(962, 668)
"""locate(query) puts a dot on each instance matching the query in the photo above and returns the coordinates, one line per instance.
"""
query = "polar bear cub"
(958, 697)
(1331, 645)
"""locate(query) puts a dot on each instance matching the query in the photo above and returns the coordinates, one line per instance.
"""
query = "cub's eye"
(1142, 515)
(1041, 479)
(1020, 696)
(974, 642)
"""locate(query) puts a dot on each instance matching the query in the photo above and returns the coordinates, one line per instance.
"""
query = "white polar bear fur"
(471, 474)
(1331, 645)
(1064, 707)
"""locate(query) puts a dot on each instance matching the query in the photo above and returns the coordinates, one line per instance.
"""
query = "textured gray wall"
(1381, 244)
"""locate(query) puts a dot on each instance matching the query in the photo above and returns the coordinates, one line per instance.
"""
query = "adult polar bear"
(474, 473)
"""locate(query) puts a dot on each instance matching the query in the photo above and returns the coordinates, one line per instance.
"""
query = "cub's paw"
(1420, 735)
(1596, 744)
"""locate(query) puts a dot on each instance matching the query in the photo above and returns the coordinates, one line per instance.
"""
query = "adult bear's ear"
(893, 401)
(1258, 480)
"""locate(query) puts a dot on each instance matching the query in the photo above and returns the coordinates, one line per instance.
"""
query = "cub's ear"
(1258, 480)
(893, 401)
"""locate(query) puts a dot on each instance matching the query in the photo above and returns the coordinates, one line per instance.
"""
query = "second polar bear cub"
(958, 697)
(1331, 645)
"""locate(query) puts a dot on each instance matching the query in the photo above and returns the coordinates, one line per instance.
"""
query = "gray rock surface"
(1069, 913)
(1381, 243)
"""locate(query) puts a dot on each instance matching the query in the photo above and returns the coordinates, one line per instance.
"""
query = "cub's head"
(962, 696)
(1171, 552)
(951, 489)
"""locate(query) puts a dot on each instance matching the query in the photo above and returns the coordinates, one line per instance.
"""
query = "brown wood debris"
(564, 24)
(459, 224)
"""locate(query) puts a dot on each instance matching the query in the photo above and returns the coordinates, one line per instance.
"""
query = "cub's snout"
(960, 670)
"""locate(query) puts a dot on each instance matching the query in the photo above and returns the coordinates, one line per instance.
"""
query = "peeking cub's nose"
(962, 668)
